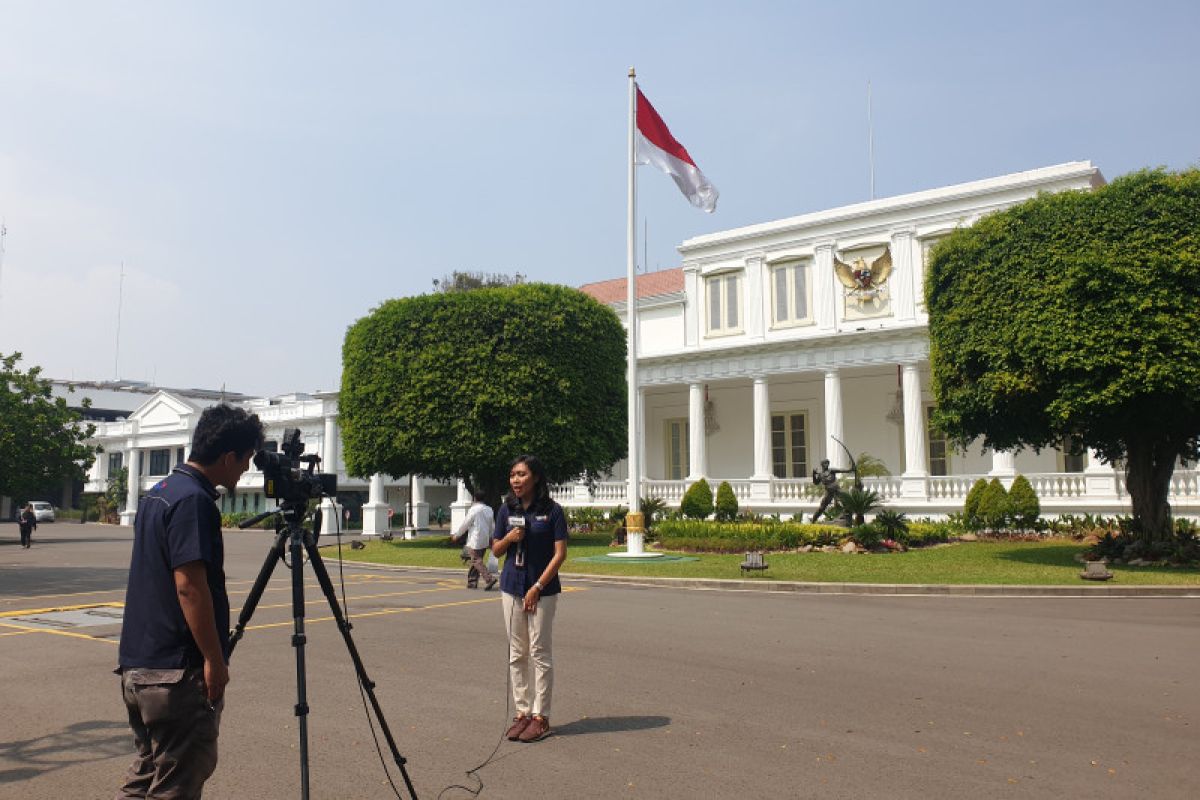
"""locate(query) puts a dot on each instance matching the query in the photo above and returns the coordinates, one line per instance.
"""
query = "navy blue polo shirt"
(545, 524)
(177, 522)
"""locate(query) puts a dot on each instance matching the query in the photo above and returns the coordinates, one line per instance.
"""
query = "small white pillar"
(131, 493)
(375, 512)
(914, 482)
(460, 506)
(698, 457)
(1004, 467)
(833, 420)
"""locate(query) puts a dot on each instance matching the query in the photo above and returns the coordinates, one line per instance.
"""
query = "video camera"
(285, 479)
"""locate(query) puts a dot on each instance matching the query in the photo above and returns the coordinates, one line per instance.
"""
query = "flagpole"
(634, 521)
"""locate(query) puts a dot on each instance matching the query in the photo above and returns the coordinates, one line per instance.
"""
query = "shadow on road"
(80, 743)
(610, 725)
(23, 580)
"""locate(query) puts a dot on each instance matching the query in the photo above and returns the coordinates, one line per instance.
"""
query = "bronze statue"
(827, 477)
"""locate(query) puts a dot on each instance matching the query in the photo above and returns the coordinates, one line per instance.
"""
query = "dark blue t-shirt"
(177, 522)
(545, 524)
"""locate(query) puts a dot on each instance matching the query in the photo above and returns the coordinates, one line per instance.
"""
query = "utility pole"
(117, 354)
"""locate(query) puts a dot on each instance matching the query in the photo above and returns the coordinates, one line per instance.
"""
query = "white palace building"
(769, 346)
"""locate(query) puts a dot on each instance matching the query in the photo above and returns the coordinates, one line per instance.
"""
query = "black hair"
(480, 495)
(224, 429)
(541, 488)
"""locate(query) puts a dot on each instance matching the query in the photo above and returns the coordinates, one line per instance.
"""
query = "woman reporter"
(532, 530)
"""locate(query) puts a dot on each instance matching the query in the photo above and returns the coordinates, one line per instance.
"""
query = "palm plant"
(856, 503)
(893, 524)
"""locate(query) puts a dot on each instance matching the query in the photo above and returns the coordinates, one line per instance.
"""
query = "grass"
(1008, 563)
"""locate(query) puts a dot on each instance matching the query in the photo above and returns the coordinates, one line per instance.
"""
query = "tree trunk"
(1148, 469)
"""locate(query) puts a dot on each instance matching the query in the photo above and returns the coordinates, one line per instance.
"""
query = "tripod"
(291, 536)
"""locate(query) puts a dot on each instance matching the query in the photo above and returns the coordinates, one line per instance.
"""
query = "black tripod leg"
(260, 584)
(298, 640)
(318, 565)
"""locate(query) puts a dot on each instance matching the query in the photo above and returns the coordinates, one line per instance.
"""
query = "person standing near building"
(27, 522)
(532, 529)
(173, 657)
(477, 528)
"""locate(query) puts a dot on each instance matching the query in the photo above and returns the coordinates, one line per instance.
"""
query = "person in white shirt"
(477, 528)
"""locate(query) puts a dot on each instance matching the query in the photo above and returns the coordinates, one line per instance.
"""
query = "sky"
(208, 194)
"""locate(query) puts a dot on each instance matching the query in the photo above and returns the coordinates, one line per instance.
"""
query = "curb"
(892, 589)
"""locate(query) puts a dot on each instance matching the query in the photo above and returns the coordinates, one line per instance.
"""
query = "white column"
(693, 318)
(1004, 467)
(1100, 479)
(375, 516)
(760, 488)
(420, 507)
(131, 493)
(824, 289)
(833, 420)
(698, 458)
(755, 295)
(329, 458)
(460, 506)
(913, 483)
(903, 283)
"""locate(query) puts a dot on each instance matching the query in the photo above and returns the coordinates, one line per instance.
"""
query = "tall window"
(160, 461)
(1072, 454)
(789, 285)
(724, 302)
(677, 449)
(939, 452)
(115, 462)
(789, 446)
(178, 455)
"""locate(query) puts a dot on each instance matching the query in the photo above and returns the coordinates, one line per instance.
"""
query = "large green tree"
(42, 440)
(455, 385)
(1077, 313)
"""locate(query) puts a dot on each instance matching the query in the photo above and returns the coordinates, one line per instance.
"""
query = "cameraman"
(175, 635)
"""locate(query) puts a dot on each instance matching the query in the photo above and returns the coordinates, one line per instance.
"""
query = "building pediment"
(164, 412)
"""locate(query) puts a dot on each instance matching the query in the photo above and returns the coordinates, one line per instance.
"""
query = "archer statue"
(827, 476)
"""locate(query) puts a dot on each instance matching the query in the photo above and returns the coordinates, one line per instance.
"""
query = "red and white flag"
(657, 147)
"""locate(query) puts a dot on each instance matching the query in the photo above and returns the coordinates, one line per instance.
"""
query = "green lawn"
(1012, 563)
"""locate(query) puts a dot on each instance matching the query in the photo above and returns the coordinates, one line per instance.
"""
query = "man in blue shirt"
(175, 636)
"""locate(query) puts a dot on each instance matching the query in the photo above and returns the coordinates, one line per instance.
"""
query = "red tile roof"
(650, 284)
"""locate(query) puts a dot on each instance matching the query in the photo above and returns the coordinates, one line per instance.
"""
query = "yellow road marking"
(23, 629)
(24, 612)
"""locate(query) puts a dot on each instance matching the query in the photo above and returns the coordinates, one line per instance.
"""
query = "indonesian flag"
(657, 147)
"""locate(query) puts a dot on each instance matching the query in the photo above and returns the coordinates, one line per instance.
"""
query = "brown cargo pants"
(175, 730)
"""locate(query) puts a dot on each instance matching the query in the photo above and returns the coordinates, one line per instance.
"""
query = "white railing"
(1185, 485)
(950, 487)
(562, 491)
(1058, 485)
(887, 487)
(611, 492)
(669, 491)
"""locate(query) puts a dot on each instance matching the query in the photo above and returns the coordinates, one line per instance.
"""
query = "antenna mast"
(870, 141)
(3, 234)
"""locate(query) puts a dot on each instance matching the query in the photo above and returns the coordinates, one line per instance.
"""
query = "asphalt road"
(661, 693)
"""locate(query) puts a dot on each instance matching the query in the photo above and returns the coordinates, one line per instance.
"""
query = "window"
(677, 449)
(160, 461)
(724, 303)
(789, 284)
(789, 449)
(178, 456)
(115, 462)
(939, 452)
(1072, 454)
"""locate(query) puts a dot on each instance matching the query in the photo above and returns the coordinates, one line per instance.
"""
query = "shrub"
(868, 536)
(738, 537)
(926, 532)
(971, 505)
(653, 508)
(585, 519)
(697, 501)
(856, 503)
(993, 511)
(1024, 508)
(893, 524)
(727, 504)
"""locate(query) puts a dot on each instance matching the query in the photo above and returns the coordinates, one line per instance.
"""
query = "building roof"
(650, 284)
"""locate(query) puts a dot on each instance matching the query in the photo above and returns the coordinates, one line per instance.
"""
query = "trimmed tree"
(697, 501)
(993, 509)
(1023, 505)
(42, 440)
(727, 505)
(971, 505)
(455, 385)
(1075, 313)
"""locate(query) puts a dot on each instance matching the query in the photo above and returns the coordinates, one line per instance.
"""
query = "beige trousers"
(530, 653)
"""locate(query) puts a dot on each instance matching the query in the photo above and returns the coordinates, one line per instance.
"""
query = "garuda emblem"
(864, 281)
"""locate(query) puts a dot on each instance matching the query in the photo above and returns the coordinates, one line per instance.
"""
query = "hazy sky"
(268, 172)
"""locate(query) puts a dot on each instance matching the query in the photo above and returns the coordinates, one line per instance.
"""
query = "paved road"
(662, 693)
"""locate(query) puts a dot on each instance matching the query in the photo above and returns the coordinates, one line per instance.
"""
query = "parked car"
(42, 511)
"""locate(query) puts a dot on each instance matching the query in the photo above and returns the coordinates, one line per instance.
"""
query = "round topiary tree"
(993, 506)
(697, 501)
(1023, 505)
(727, 504)
(971, 505)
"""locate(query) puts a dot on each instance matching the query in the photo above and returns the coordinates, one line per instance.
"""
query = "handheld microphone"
(518, 521)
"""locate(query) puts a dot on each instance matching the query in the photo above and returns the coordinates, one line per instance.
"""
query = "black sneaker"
(490, 585)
